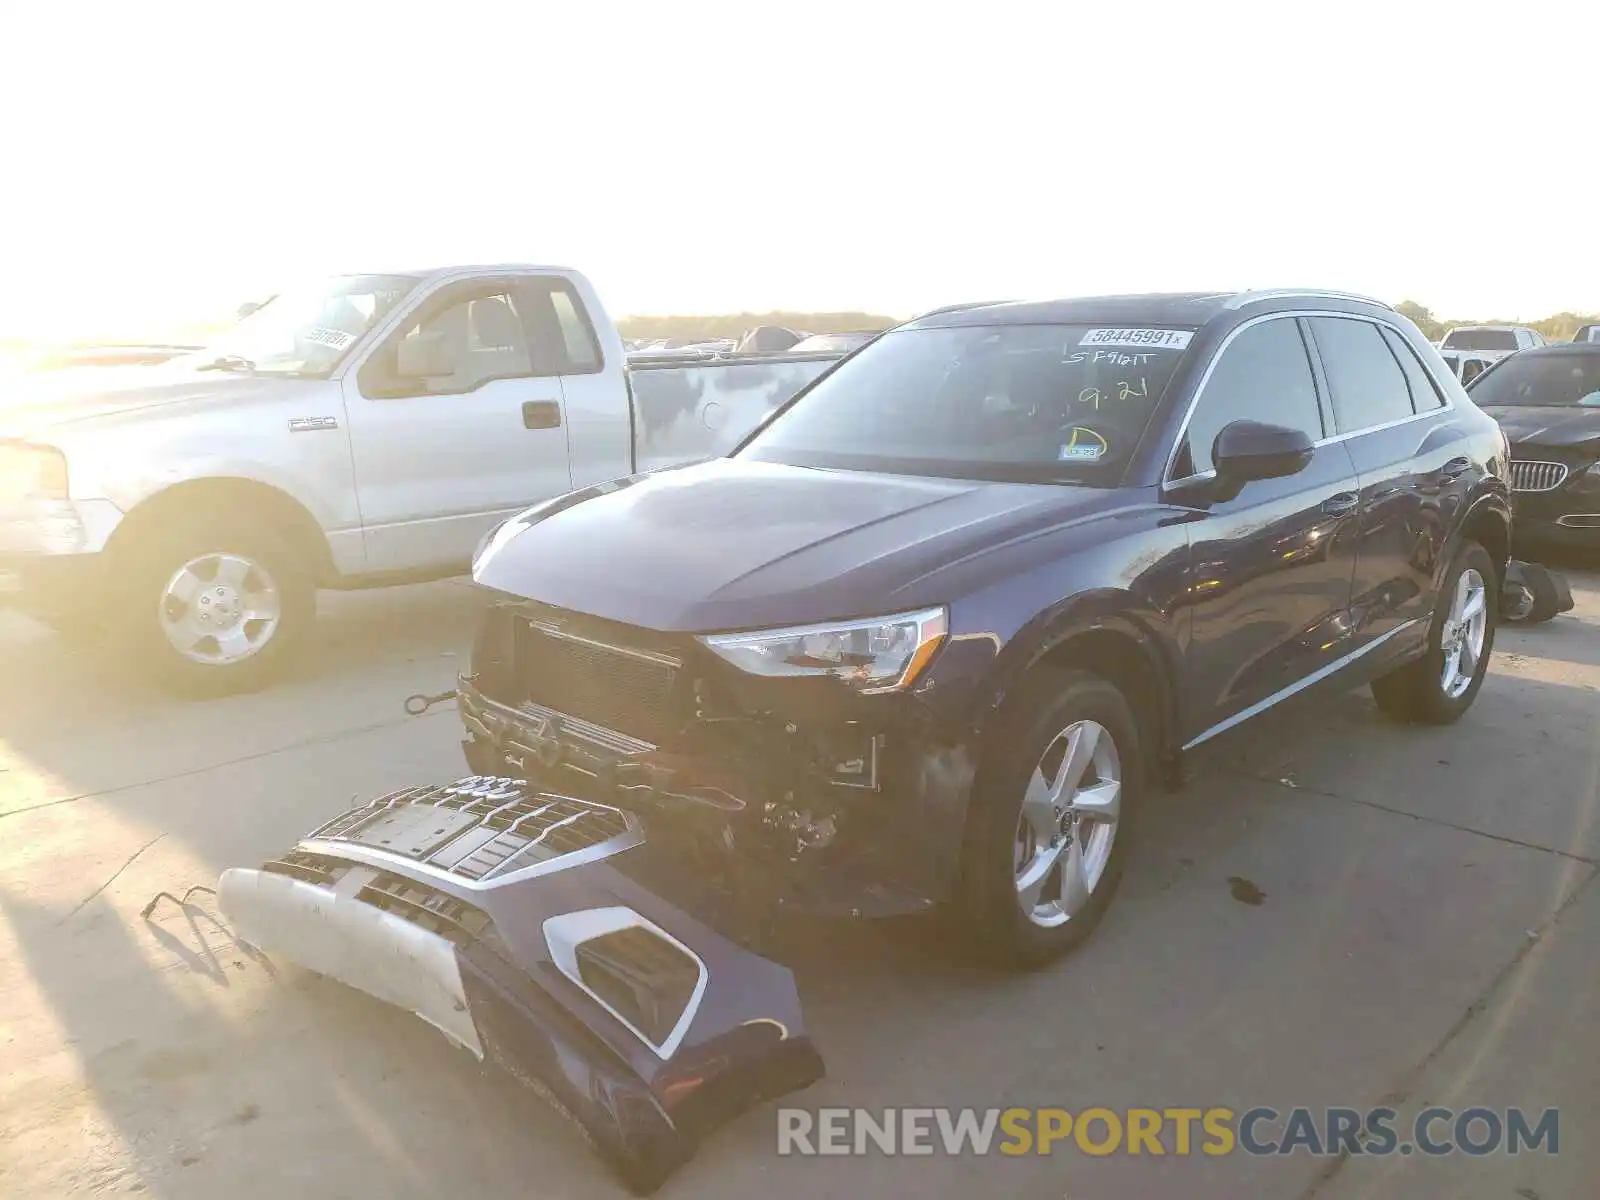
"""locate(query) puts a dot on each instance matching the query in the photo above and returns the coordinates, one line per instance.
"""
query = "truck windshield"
(1024, 403)
(1535, 380)
(1481, 339)
(306, 330)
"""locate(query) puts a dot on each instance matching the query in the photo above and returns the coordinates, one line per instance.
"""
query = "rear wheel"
(214, 608)
(1049, 829)
(1439, 687)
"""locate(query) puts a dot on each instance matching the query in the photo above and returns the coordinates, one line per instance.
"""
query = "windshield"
(1030, 403)
(1529, 380)
(1481, 339)
(306, 330)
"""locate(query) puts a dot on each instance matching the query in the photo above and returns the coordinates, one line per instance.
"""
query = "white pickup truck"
(361, 430)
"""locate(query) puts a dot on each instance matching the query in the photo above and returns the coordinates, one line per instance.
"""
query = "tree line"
(732, 325)
(1558, 328)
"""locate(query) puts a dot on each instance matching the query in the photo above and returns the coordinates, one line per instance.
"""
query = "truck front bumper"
(51, 556)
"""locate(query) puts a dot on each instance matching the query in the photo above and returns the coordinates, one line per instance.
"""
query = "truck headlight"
(28, 471)
(882, 654)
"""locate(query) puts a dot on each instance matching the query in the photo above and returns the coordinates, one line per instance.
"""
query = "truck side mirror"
(424, 355)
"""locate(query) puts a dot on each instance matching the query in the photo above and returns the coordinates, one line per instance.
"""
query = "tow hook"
(420, 702)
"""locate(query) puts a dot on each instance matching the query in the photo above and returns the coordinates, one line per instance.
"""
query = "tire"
(1417, 692)
(233, 568)
(1002, 849)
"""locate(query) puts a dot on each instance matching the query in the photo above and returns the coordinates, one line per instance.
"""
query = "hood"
(38, 402)
(732, 544)
(1563, 425)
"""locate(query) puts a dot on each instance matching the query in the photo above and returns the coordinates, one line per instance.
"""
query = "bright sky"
(168, 161)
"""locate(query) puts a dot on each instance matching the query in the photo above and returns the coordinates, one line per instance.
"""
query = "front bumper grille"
(1533, 475)
(619, 687)
(477, 828)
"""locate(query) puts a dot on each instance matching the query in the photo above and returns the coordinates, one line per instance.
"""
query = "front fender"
(1103, 613)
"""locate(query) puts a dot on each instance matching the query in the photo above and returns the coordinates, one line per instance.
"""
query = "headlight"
(882, 654)
(27, 471)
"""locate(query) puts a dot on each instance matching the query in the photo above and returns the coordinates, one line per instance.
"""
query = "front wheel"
(215, 609)
(1439, 687)
(1049, 830)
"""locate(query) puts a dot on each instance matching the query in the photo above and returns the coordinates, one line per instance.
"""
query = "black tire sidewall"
(989, 909)
(143, 572)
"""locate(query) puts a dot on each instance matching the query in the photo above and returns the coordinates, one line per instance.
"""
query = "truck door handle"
(1341, 504)
(541, 414)
(1455, 467)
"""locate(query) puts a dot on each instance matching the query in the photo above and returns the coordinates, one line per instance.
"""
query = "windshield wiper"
(228, 362)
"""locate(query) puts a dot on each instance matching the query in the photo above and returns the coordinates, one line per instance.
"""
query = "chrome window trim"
(1299, 685)
(1205, 378)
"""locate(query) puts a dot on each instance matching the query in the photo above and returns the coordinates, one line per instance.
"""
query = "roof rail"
(950, 308)
(1250, 297)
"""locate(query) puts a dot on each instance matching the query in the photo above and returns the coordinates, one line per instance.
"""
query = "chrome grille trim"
(479, 796)
(556, 631)
(1535, 475)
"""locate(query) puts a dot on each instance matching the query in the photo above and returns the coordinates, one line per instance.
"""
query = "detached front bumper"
(497, 914)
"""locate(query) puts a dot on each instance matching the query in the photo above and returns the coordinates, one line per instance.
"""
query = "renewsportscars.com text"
(1327, 1132)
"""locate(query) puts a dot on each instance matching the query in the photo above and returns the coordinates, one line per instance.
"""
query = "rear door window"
(1368, 386)
(1424, 395)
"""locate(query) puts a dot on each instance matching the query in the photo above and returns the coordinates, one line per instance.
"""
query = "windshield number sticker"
(1085, 445)
(1152, 339)
(334, 339)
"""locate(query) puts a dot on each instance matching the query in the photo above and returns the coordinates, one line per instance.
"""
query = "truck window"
(577, 336)
(480, 333)
(1481, 339)
(564, 341)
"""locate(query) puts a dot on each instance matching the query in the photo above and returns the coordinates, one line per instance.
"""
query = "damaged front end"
(495, 911)
(800, 794)
(579, 910)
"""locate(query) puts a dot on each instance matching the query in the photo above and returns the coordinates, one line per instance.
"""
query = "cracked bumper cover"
(478, 907)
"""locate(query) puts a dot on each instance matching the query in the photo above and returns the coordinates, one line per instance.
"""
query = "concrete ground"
(1426, 930)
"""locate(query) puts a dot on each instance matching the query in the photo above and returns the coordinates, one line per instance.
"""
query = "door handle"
(541, 414)
(1341, 505)
(1455, 467)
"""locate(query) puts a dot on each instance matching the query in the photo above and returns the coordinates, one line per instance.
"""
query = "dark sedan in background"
(1547, 401)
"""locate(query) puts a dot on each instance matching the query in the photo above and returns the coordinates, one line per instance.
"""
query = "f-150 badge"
(312, 424)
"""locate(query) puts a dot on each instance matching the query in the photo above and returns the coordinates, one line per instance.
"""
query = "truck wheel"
(214, 608)
(1439, 687)
(1048, 831)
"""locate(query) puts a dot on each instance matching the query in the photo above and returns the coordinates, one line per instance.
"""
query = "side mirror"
(1250, 450)
(424, 356)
